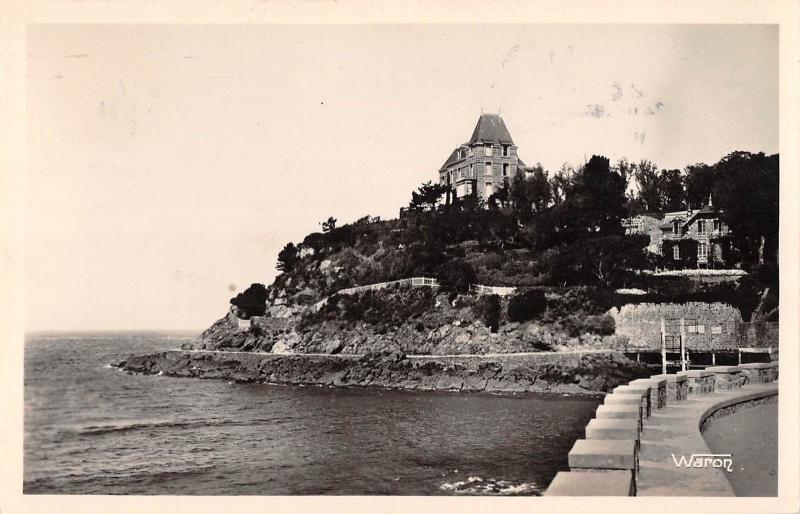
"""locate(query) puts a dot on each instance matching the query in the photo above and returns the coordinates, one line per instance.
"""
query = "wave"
(125, 426)
(60, 482)
(475, 485)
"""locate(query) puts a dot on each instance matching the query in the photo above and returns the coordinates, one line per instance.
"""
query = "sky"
(169, 164)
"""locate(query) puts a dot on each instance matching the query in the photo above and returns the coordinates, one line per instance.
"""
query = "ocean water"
(93, 429)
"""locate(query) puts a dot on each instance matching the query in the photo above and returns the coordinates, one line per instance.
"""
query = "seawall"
(646, 438)
(576, 373)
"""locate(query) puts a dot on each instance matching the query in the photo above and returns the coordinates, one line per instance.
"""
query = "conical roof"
(491, 129)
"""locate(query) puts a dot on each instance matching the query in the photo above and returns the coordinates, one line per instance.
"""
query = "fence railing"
(413, 281)
(498, 290)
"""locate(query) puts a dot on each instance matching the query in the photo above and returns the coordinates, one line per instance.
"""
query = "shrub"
(526, 306)
(456, 275)
(488, 309)
(574, 301)
(603, 325)
(252, 301)
(575, 325)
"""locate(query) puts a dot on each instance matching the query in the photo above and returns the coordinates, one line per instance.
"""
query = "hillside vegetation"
(558, 240)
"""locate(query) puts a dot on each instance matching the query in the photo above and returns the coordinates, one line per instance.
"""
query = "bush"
(252, 301)
(603, 325)
(575, 325)
(456, 276)
(488, 309)
(526, 306)
(574, 301)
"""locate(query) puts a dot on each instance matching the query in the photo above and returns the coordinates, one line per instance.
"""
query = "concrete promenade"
(646, 438)
(675, 429)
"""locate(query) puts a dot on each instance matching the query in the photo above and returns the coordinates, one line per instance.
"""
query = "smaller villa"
(690, 238)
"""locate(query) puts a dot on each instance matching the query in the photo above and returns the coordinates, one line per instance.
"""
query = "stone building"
(481, 165)
(694, 237)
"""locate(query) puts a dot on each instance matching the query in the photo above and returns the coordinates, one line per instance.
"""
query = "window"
(505, 150)
(717, 225)
(693, 327)
(471, 171)
(675, 228)
(716, 330)
(505, 169)
(489, 189)
(468, 188)
(488, 150)
(702, 252)
(488, 170)
(676, 253)
(461, 173)
(701, 227)
(459, 190)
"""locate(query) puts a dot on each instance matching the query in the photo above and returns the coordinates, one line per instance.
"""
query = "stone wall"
(606, 462)
(709, 326)
(757, 334)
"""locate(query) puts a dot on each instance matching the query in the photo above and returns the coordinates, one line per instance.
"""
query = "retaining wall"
(709, 326)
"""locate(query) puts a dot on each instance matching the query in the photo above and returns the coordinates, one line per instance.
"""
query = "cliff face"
(440, 331)
(561, 373)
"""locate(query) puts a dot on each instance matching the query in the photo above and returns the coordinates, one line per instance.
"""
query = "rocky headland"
(576, 373)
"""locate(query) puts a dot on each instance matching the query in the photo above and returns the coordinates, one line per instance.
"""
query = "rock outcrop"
(565, 373)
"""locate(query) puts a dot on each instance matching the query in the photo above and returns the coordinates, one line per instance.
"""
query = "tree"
(647, 180)
(671, 193)
(427, 196)
(252, 301)
(329, 225)
(503, 195)
(539, 188)
(747, 191)
(596, 203)
(521, 198)
(606, 260)
(699, 183)
(288, 258)
(561, 183)
(625, 170)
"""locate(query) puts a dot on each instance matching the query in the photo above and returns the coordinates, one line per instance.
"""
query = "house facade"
(481, 165)
(690, 238)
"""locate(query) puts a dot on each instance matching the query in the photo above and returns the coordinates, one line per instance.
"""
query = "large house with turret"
(482, 164)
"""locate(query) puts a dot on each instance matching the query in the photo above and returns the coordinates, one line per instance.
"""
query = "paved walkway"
(674, 430)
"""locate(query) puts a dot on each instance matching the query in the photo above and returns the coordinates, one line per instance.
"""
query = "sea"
(91, 428)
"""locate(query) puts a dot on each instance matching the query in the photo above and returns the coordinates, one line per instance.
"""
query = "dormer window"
(488, 150)
(505, 150)
(676, 227)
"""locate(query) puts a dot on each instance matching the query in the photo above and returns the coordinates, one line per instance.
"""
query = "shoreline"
(580, 373)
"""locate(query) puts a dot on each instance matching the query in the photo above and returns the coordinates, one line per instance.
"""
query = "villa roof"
(453, 158)
(491, 129)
